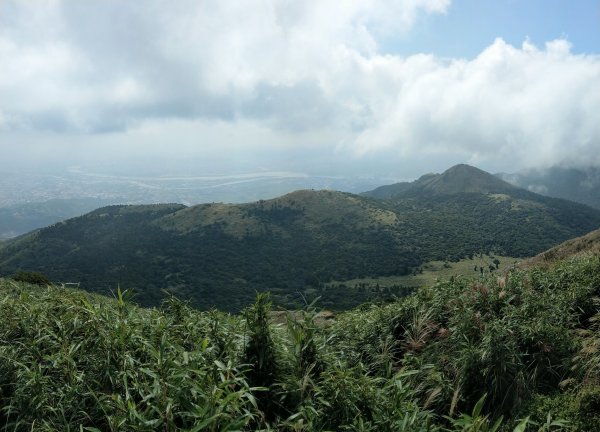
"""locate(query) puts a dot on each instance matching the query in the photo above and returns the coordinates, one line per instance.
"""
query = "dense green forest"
(219, 255)
(517, 352)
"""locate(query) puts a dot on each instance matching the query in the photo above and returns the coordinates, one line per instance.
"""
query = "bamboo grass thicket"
(464, 354)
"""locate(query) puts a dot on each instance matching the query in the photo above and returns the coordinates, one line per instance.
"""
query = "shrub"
(33, 278)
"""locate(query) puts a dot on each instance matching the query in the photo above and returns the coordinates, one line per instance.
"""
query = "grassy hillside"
(220, 255)
(216, 254)
(433, 271)
(586, 244)
(519, 352)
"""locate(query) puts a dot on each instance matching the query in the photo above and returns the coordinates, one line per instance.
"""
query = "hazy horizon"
(354, 90)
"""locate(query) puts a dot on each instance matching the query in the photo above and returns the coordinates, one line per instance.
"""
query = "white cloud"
(534, 106)
(180, 58)
(311, 75)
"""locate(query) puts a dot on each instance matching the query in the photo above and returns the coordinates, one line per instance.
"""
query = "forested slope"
(221, 254)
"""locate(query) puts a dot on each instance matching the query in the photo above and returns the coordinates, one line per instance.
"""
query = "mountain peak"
(466, 178)
(463, 178)
(460, 178)
(464, 169)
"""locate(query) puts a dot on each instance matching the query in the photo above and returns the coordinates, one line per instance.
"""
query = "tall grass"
(71, 361)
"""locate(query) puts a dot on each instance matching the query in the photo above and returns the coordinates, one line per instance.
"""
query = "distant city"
(75, 183)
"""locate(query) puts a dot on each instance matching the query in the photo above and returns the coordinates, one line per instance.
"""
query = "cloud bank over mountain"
(282, 79)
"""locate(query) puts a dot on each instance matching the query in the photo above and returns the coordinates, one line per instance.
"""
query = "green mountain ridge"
(458, 179)
(221, 254)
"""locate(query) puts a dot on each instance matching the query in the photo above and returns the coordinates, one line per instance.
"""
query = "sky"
(352, 88)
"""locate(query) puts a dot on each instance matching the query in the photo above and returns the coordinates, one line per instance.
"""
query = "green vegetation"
(219, 255)
(432, 272)
(33, 278)
(589, 243)
(518, 352)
